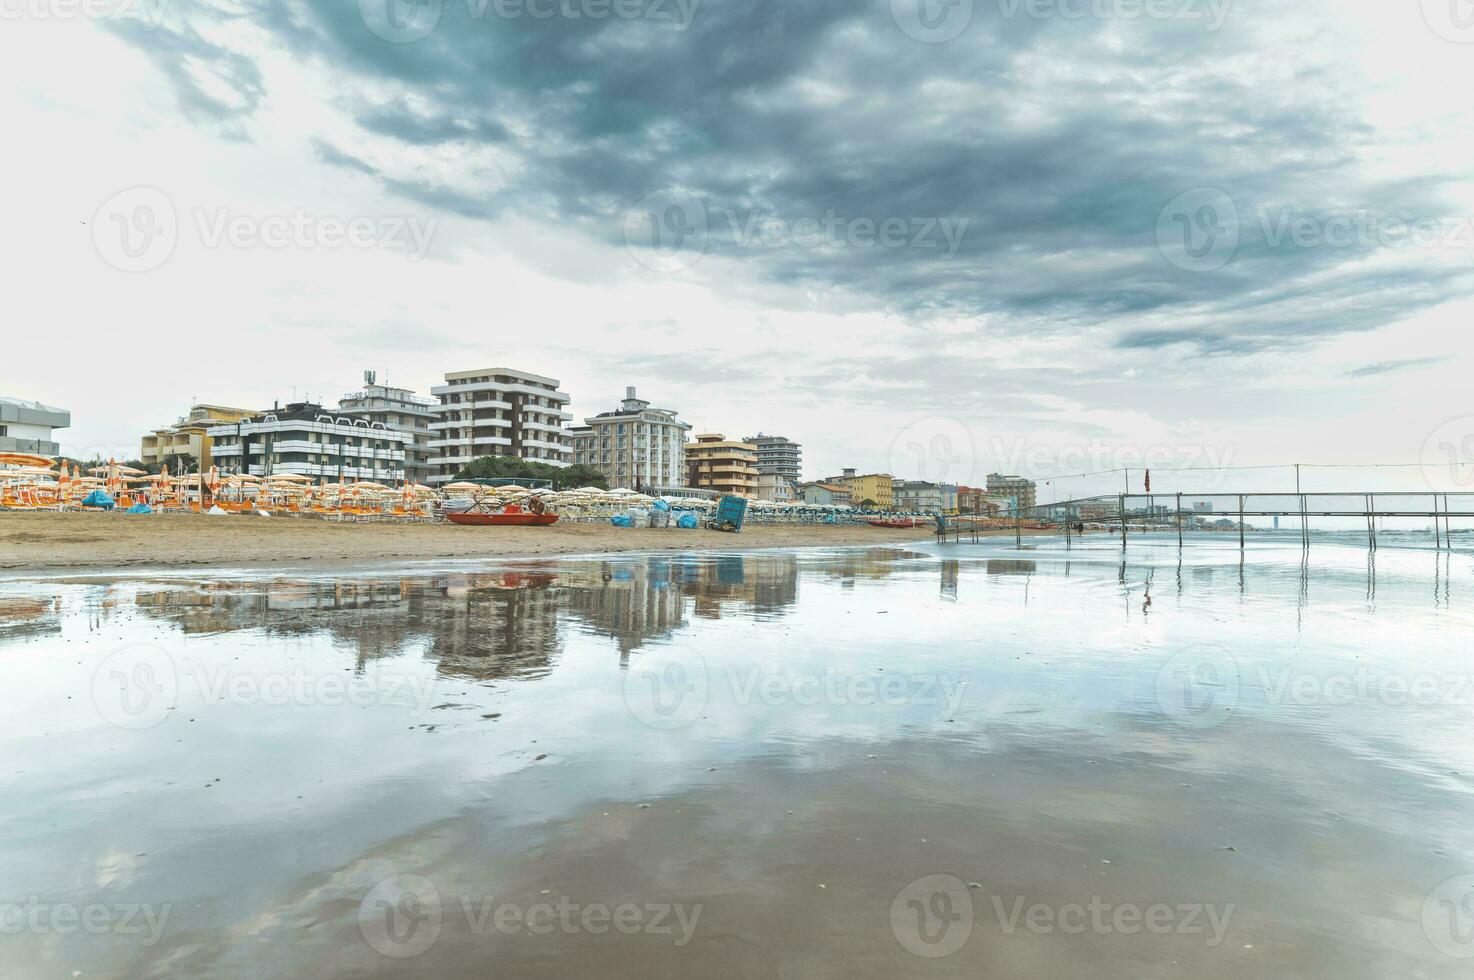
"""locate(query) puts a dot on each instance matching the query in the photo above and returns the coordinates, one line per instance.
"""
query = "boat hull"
(502, 520)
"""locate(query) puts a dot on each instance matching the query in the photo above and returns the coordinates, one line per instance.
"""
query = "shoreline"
(80, 542)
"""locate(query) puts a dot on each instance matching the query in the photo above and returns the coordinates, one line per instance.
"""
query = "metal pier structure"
(1187, 514)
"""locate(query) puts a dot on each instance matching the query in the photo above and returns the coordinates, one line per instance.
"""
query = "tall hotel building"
(497, 411)
(778, 456)
(634, 446)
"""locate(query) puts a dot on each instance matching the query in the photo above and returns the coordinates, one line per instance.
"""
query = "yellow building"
(715, 463)
(874, 487)
(188, 435)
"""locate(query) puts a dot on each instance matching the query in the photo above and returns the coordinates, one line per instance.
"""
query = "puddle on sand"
(950, 761)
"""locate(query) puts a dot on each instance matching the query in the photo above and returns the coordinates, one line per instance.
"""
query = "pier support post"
(1241, 522)
(1121, 511)
(1437, 531)
(1179, 522)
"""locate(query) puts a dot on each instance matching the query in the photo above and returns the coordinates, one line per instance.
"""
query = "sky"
(932, 237)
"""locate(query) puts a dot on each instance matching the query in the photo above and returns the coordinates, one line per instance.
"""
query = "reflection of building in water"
(374, 616)
(950, 575)
(1010, 566)
(489, 628)
(29, 616)
(633, 600)
(485, 625)
(491, 625)
(872, 563)
(764, 584)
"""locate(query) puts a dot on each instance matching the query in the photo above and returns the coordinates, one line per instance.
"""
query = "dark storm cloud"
(213, 84)
(1051, 145)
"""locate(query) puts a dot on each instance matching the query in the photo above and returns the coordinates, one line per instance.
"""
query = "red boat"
(502, 520)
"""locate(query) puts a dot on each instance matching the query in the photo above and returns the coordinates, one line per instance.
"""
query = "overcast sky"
(936, 239)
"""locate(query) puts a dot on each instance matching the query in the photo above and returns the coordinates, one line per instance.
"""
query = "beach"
(80, 540)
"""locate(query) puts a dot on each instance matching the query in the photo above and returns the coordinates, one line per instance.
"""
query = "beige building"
(1020, 489)
(190, 436)
(726, 466)
(634, 446)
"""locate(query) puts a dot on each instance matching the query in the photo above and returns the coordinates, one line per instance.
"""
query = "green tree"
(175, 463)
(510, 467)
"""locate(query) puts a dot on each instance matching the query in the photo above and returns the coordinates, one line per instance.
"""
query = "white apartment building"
(634, 446)
(778, 455)
(403, 411)
(26, 427)
(497, 411)
(308, 440)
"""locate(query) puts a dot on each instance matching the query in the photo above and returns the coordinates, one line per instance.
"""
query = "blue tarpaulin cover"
(139, 509)
(686, 520)
(98, 498)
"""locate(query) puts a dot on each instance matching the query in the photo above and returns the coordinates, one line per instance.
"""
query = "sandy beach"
(72, 541)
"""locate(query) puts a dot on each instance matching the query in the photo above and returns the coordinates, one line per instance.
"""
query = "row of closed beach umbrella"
(30, 482)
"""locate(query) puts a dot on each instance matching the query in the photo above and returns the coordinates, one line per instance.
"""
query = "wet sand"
(69, 541)
(921, 760)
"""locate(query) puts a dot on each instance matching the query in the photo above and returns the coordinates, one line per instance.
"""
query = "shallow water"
(961, 760)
